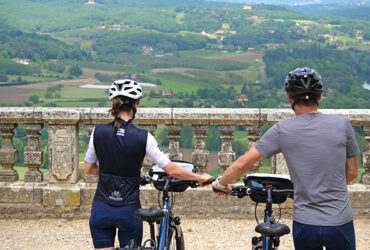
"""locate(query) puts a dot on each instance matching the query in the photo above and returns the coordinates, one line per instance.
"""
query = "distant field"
(182, 71)
(240, 57)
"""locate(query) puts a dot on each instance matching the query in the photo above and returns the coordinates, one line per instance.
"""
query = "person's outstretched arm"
(238, 168)
(170, 167)
(179, 172)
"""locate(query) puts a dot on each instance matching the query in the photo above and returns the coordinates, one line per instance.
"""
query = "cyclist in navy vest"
(321, 153)
(120, 148)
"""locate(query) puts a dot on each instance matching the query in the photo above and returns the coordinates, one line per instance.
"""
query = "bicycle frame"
(267, 242)
(165, 221)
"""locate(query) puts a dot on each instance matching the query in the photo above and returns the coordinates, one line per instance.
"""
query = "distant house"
(247, 7)
(219, 32)
(254, 17)
(147, 50)
(101, 27)
(243, 98)
(232, 32)
(250, 49)
(91, 2)
(21, 61)
(167, 93)
(326, 35)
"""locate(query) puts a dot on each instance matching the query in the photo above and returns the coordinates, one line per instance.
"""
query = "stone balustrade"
(63, 193)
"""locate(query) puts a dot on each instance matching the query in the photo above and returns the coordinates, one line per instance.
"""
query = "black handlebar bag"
(259, 182)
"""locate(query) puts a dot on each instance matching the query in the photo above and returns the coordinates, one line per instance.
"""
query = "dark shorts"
(332, 237)
(105, 220)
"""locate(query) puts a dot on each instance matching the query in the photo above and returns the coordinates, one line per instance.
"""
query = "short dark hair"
(308, 99)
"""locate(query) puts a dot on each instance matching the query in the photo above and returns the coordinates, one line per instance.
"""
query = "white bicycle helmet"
(125, 87)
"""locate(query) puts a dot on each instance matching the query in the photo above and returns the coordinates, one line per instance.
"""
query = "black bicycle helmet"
(303, 81)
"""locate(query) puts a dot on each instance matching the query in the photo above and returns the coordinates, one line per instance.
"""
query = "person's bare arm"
(178, 172)
(91, 168)
(351, 169)
(238, 168)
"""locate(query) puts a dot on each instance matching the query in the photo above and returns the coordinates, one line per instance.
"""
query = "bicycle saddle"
(150, 215)
(272, 228)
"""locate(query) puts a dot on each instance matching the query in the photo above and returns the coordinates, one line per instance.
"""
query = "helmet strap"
(134, 112)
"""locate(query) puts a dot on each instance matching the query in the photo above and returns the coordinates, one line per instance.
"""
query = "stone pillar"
(90, 178)
(147, 163)
(365, 177)
(8, 154)
(173, 132)
(63, 144)
(33, 156)
(226, 156)
(200, 154)
(278, 164)
(253, 136)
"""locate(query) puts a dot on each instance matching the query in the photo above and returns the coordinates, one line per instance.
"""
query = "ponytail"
(121, 103)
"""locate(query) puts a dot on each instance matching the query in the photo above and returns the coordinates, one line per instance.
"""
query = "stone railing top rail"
(168, 115)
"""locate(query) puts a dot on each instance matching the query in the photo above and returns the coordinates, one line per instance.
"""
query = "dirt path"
(200, 234)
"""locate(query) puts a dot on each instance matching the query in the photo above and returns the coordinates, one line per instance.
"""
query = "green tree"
(186, 139)
(213, 141)
(75, 70)
(35, 99)
(3, 77)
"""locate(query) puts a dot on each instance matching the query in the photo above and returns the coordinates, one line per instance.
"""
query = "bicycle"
(170, 236)
(269, 189)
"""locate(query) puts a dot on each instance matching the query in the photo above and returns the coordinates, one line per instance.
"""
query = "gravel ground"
(199, 234)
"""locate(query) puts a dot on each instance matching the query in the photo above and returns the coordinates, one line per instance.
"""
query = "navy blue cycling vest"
(120, 154)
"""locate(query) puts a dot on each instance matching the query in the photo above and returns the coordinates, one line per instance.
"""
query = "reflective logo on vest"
(121, 132)
(116, 195)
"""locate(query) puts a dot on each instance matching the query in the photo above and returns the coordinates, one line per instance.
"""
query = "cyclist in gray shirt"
(320, 151)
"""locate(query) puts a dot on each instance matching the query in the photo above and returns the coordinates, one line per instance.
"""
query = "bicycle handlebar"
(168, 181)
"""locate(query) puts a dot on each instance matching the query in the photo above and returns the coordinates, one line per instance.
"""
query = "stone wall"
(63, 195)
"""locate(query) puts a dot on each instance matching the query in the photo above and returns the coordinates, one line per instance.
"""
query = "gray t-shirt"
(315, 146)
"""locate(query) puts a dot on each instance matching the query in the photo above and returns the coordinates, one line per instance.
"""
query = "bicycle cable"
(255, 213)
(279, 213)
(171, 200)
(172, 203)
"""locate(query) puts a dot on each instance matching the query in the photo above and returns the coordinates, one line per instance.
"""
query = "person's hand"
(204, 178)
(225, 191)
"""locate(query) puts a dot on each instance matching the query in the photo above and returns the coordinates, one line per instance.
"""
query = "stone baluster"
(226, 156)
(278, 164)
(173, 132)
(33, 156)
(88, 177)
(8, 154)
(365, 177)
(200, 154)
(253, 136)
(147, 163)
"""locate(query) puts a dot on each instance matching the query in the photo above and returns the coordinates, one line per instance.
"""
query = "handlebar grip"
(209, 181)
(218, 191)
